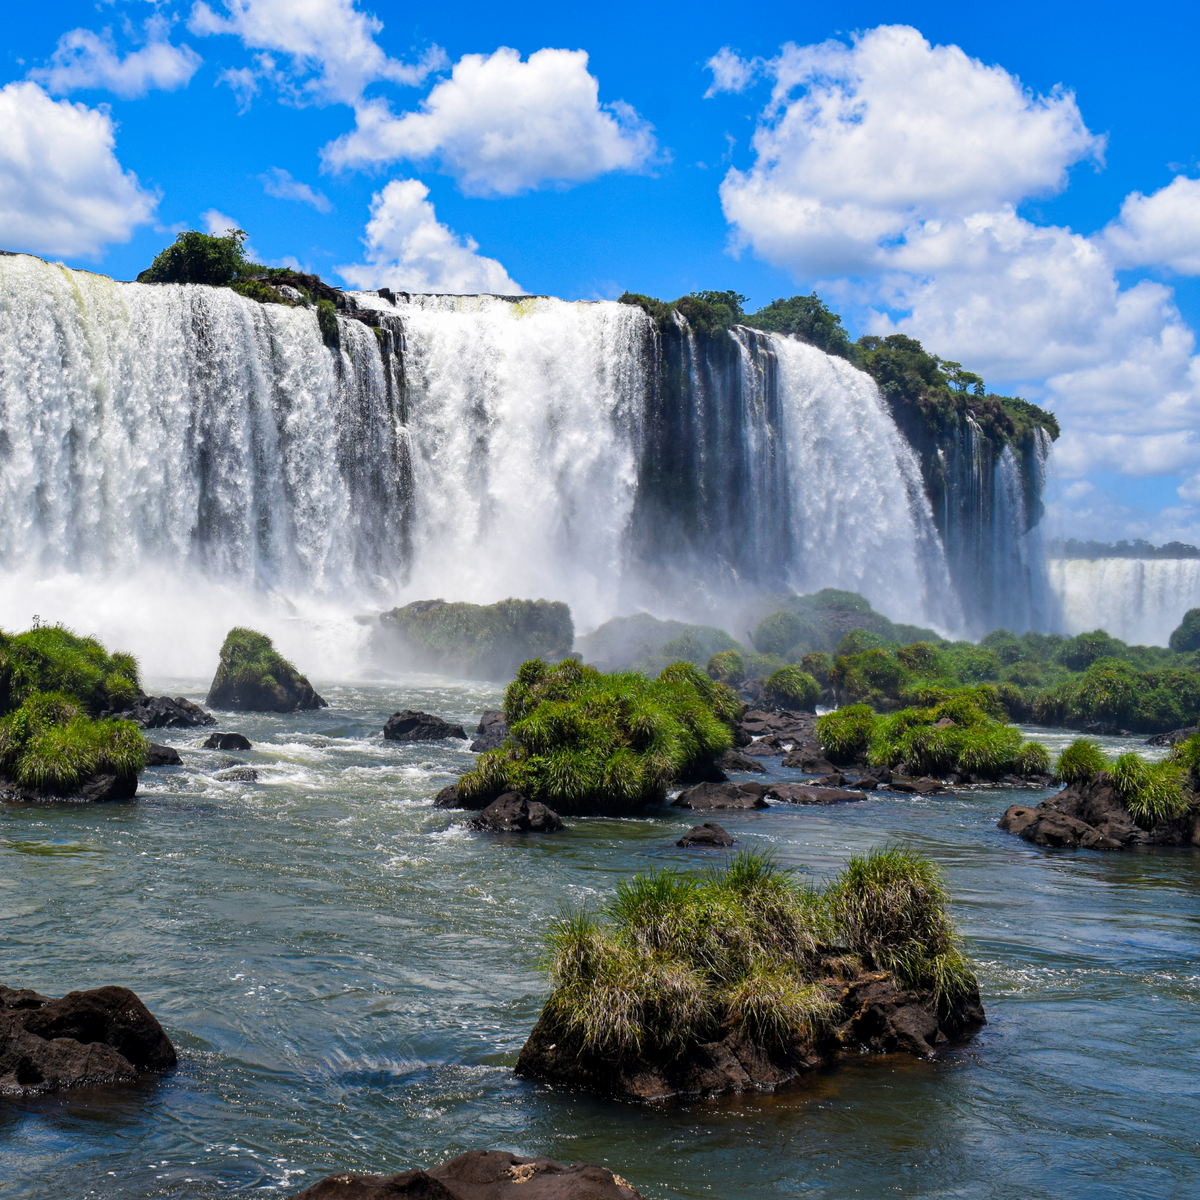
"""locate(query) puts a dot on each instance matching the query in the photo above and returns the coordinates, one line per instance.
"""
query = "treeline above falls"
(477, 447)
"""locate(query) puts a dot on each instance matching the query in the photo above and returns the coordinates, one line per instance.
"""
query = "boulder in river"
(228, 741)
(448, 797)
(705, 796)
(807, 793)
(481, 1175)
(514, 813)
(105, 1035)
(710, 834)
(163, 712)
(734, 760)
(101, 788)
(411, 726)
(253, 676)
(162, 756)
(1091, 815)
(492, 732)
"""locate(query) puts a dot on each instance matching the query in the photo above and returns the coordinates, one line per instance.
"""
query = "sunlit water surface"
(348, 974)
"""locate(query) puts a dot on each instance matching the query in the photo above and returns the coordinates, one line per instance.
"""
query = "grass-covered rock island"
(742, 978)
(252, 676)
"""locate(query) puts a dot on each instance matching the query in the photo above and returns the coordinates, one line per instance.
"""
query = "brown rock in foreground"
(105, 1035)
(481, 1175)
(1092, 816)
(873, 1014)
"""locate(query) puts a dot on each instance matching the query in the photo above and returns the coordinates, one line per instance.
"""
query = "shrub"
(845, 734)
(1186, 637)
(51, 658)
(675, 960)
(858, 641)
(793, 687)
(201, 258)
(818, 664)
(582, 740)
(1032, 759)
(922, 658)
(778, 633)
(1080, 761)
(971, 664)
(1153, 792)
(48, 744)
(728, 667)
(1078, 653)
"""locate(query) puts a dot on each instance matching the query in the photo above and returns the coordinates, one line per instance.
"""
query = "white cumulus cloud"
(410, 250)
(279, 183)
(502, 126)
(329, 45)
(731, 72)
(84, 59)
(62, 190)
(1159, 230)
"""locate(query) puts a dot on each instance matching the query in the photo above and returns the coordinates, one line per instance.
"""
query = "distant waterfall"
(467, 447)
(1139, 600)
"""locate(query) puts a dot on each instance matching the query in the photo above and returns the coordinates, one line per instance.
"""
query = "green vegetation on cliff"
(677, 960)
(583, 741)
(53, 686)
(481, 641)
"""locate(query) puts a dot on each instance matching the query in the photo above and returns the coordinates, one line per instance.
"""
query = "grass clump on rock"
(253, 676)
(583, 741)
(1080, 761)
(845, 734)
(745, 956)
(50, 658)
(794, 688)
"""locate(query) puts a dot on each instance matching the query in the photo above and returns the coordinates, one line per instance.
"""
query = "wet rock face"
(733, 760)
(1092, 816)
(492, 732)
(481, 1175)
(283, 695)
(411, 726)
(161, 712)
(448, 797)
(873, 1013)
(514, 813)
(97, 789)
(106, 1035)
(762, 734)
(706, 796)
(228, 741)
(162, 756)
(710, 834)
(807, 793)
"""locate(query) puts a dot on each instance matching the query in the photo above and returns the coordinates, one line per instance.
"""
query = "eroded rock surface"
(762, 734)
(481, 1175)
(706, 796)
(411, 726)
(514, 813)
(492, 732)
(162, 712)
(1092, 815)
(105, 1035)
(872, 1013)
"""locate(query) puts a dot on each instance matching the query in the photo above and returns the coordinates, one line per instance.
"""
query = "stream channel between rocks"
(348, 975)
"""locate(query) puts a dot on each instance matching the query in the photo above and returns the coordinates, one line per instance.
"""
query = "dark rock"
(106, 1035)
(481, 1175)
(708, 834)
(97, 789)
(287, 695)
(227, 741)
(808, 761)
(161, 712)
(410, 726)
(1171, 738)
(492, 731)
(162, 756)
(447, 797)
(1097, 728)
(881, 775)
(807, 793)
(835, 779)
(238, 775)
(1092, 816)
(920, 787)
(703, 771)
(732, 760)
(873, 1013)
(721, 795)
(763, 747)
(865, 784)
(514, 813)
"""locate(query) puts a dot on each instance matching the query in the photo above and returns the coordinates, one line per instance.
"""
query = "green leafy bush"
(585, 741)
(201, 258)
(794, 688)
(845, 733)
(1081, 760)
(51, 658)
(1186, 637)
(1153, 792)
(675, 960)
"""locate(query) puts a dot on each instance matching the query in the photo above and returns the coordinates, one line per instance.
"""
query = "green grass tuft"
(1080, 761)
(793, 687)
(846, 733)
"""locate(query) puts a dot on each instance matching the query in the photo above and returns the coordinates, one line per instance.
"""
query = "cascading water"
(181, 457)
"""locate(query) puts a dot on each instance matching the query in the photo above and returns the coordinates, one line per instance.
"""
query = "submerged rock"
(411, 726)
(161, 712)
(1091, 815)
(481, 1175)
(238, 775)
(492, 732)
(162, 756)
(706, 796)
(708, 834)
(228, 741)
(871, 1013)
(514, 813)
(105, 1035)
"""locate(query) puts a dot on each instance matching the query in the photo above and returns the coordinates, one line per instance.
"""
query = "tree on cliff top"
(196, 257)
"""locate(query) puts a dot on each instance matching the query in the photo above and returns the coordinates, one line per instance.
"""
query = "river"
(348, 975)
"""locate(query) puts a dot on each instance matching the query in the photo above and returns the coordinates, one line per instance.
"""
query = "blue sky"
(1014, 186)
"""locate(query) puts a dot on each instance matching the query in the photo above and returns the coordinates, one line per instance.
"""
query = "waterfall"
(176, 459)
(1139, 600)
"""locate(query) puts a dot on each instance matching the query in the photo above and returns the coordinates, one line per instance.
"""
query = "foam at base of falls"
(1139, 600)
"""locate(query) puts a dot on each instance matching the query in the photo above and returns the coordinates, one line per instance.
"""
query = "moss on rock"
(253, 676)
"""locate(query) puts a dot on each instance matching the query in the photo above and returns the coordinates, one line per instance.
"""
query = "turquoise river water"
(348, 975)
